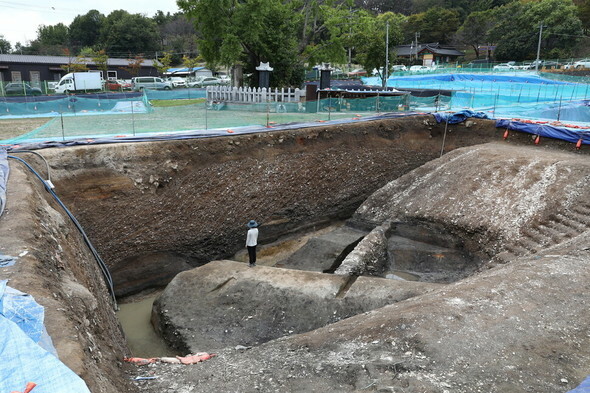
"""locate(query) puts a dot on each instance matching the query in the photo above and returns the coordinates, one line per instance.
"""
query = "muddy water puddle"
(141, 336)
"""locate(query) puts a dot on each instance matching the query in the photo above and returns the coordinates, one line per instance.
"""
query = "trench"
(156, 209)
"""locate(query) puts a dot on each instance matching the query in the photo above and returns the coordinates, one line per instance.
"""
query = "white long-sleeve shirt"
(252, 238)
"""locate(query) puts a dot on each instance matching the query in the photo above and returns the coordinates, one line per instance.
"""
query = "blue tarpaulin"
(583, 388)
(26, 350)
(546, 130)
(458, 117)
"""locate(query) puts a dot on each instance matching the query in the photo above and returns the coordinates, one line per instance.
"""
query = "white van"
(150, 82)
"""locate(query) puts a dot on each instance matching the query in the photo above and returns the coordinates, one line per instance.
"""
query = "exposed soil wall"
(191, 199)
(57, 269)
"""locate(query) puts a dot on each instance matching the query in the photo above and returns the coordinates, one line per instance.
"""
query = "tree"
(584, 13)
(474, 30)
(85, 29)
(250, 32)
(372, 42)
(163, 63)
(516, 29)
(100, 59)
(189, 63)
(75, 63)
(51, 40)
(435, 25)
(178, 36)
(4, 45)
(381, 6)
(124, 33)
(134, 65)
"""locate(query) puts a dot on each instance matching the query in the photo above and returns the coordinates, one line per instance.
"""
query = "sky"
(21, 18)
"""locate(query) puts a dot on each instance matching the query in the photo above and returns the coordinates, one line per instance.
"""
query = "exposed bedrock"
(519, 326)
(192, 198)
(227, 303)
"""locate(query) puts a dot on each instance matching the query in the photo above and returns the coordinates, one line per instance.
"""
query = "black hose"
(101, 264)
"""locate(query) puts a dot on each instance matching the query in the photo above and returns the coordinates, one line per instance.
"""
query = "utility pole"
(539, 46)
(417, 36)
(386, 70)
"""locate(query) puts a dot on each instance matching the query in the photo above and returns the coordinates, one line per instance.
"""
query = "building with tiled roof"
(429, 53)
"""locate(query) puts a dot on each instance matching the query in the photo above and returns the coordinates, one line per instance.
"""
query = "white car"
(420, 68)
(585, 63)
(399, 67)
(503, 67)
(177, 81)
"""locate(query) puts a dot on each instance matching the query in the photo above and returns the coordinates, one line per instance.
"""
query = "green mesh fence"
(203, 116)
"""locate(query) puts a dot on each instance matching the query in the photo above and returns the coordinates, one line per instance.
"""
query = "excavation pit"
(507, 198)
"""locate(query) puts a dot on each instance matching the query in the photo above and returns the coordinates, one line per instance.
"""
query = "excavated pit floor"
(320, 250)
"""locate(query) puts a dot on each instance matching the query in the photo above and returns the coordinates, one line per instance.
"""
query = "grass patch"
(165, 103)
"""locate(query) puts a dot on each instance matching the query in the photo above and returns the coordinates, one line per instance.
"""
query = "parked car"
(225, 79)
(125, 85)
(356, 72)
(569, 65)
(21, 89)
(479, 63)
(207, 81)
(177, 81)
(584, 63)
(399, 68)
(420, 68)
(112, 86)
(503, 67)
(150, 82)
(195, 82)
(550, 64)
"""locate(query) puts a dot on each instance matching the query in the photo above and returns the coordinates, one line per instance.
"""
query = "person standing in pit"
(252, 241)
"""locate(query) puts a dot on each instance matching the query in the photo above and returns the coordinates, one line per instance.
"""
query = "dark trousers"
(252, 254)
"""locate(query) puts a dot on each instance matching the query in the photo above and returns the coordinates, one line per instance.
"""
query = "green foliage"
(584, 13)
(474, 30)
(53, 35)
(435, 25)
(75, 63)
(256, 31)
(371, 41)
(123, 32)
(4, 45)
(163, 62)
(189, 62)
(516, 28)
(85, 29)
(100, 59)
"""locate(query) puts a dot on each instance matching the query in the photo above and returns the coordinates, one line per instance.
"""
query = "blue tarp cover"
(546, 130)
(23, 359)
(583, 388)
(458, 117)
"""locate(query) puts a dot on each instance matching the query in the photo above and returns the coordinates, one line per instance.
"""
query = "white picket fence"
(252, 95)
